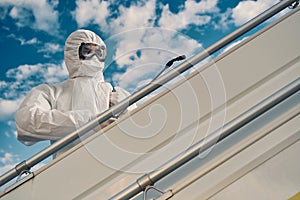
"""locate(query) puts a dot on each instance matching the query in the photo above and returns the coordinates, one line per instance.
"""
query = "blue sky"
(140, 35)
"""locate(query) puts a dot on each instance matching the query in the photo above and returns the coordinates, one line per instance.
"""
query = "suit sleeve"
(36, 120)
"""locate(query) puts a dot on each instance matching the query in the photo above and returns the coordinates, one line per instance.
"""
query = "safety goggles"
(88, 50)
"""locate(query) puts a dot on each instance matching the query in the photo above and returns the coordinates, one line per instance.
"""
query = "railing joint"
(22, 168)
(144, 181)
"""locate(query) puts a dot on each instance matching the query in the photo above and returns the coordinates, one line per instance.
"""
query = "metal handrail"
(213, 138)
(27, 164)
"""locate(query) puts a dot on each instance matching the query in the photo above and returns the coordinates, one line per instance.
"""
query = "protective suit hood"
(82, 68)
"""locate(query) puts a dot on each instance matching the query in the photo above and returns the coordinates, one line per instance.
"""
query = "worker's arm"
(36, 120)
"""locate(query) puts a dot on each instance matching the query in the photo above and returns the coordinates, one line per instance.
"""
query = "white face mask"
(91, 67)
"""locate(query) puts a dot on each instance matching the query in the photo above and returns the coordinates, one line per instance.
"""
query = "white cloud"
(7, 158)
(21, 15)
(11, 123)
(26, 77)
(39, 14)
(247, 10)
(50, 48)
(224, 20)
(29, 42)
(8, 107)
(91, 11)
(3, 84)
(23, 72)
(44, 72)
(7, 134)
(193, 13)
(140, 15)
(23, 41)
(7, 161)
(15, 134)
(47, 48)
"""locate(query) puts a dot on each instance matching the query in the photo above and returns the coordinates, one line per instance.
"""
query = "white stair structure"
(229, 130)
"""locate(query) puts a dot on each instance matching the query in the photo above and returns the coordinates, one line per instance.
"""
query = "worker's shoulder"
(47, 89)
(43, 87)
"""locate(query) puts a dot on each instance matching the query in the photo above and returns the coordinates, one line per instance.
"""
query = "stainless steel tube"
(145, 91)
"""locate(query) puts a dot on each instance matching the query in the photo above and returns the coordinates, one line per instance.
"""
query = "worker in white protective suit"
(50, 112)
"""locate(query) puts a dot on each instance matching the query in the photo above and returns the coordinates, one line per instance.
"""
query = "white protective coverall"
(50, 112)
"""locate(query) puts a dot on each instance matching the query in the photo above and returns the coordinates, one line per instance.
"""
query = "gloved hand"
(117, 95)
(114, 98)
